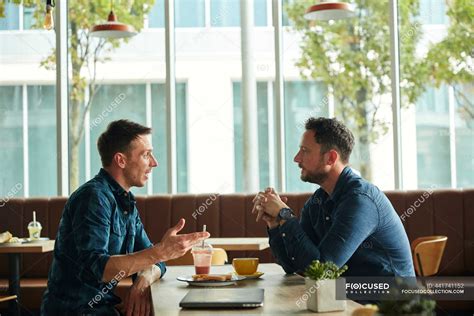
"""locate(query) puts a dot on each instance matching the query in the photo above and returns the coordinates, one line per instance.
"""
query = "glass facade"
(11, 21)
(160, 135)
(433, 11)
(11, 140)
(42, 169)
(438, 149)
(188, 13)
(443, 122)
(28, 18)
(303, 99)
(263, 137)
(226, 13)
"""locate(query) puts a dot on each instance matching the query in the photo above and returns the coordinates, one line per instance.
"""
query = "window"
(227, 13)
(433, 161)
(351, 58)
(11, 21)
(302, 100)
(437, 125)
(432, 139)
(263, 148)
(42, 140)
(433, 101)
(432, 12)
(441, 117)
(285, 21)
(464, 135)
(160, 136)
(113, 102)
(188, 13)
(28, 17)
(29, 171)
(11, 137)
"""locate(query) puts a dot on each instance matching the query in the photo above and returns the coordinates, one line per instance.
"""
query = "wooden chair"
(219, 257)
(7, 298)
(427, 253)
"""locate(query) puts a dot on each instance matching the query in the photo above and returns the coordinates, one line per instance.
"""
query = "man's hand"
(174, 246)
(267, 205)
(138, 299)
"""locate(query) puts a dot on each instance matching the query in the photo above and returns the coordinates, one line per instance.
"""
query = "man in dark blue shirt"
(347, 220)
(101, 238)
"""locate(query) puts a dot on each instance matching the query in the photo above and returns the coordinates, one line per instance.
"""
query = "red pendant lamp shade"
(113, 29)
(325, 11)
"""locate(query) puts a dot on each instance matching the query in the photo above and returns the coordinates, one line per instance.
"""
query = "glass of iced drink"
(202, 256)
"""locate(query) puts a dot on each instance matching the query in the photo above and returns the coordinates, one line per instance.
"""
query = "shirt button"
(327, 218)
(293, 258)
(125, 212)
(283, 235)
(125, 193)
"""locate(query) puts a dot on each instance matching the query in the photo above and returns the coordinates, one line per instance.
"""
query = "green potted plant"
(321, 287)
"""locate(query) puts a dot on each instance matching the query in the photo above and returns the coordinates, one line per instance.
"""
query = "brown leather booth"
(443, 212)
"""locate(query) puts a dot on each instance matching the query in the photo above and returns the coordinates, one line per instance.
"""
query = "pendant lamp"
(329, 10)
(112, 28)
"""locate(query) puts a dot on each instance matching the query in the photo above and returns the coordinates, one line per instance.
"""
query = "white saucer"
(256, 275)
(191, 281)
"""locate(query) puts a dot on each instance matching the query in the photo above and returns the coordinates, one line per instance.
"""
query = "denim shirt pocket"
(117, 235)
(130, 239)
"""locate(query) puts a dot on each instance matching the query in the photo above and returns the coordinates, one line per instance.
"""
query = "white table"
(281, 293)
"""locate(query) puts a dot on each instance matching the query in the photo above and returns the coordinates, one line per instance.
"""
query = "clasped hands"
(267, 205)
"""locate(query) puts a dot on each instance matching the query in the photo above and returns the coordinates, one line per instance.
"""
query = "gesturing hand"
(173, 246)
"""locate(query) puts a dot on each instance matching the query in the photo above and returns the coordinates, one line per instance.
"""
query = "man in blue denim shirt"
(347, 220)
(101, 238)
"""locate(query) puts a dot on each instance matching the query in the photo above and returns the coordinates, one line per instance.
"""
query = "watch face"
(285, 213)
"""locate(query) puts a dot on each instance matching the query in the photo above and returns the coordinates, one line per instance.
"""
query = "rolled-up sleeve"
(143, 242)
(91, 225)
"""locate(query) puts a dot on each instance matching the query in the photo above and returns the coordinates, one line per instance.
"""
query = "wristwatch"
(285, 214)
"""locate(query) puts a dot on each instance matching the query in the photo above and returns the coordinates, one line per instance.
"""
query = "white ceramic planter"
(322, 296)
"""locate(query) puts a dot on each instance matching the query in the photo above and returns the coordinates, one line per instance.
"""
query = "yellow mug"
(245, 266)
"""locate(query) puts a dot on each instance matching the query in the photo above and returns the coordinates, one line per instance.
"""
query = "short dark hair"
(117, 138)
(332, 134)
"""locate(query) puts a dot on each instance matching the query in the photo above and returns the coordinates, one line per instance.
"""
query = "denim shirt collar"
(116, 188)
(321, 197)
(341, 181)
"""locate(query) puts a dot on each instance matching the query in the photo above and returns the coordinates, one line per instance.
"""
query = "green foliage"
(445, 59)
(451, 61)
(86, 52)
(321, 271)
(352, 57)
(416, 306)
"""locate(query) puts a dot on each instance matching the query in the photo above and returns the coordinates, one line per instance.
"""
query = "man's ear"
(120, 159)
(332, 157)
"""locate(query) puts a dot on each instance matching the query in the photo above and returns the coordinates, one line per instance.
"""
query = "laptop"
(223, 298)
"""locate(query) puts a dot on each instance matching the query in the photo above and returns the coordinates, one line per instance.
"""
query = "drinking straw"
(34, 217)
(203, 229)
